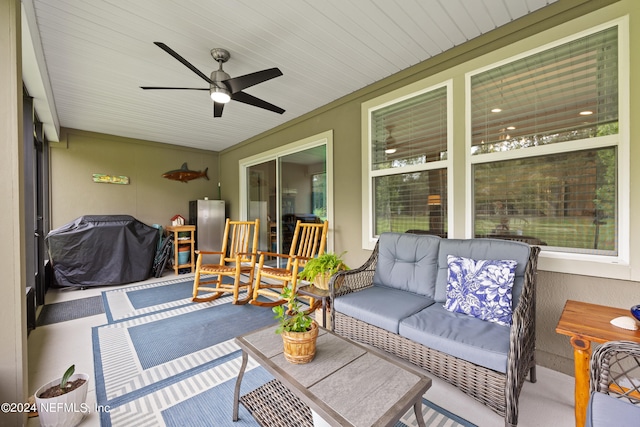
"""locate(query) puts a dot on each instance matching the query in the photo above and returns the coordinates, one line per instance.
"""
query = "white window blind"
(410, 132)
(569, 92)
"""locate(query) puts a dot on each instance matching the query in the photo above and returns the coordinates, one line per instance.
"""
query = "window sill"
(609, 267)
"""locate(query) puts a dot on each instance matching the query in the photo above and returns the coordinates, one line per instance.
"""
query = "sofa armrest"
(344, 282)
(522, 339)
(615, 370)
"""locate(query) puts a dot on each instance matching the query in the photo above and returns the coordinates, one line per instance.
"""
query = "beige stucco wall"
(343, 117)
(149, 197)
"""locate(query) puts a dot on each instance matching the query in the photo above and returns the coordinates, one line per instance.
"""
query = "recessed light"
(496, 110)
(586, 113)
(390, 150)
(511, 127)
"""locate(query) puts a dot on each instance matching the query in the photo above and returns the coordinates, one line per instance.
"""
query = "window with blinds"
(566, 201)
(410, 132)
(408, 187)
(411, 201)
(566, 93)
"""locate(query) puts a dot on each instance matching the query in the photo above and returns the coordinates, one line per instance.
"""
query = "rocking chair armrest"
(246, 255)
(198, 252)
(273, 254)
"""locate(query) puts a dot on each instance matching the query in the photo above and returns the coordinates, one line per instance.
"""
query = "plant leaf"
(66, 376)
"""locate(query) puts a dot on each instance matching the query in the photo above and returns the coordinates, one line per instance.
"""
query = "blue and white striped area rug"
(140, 300)
(177, 365)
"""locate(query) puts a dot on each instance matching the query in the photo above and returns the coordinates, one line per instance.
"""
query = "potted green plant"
(320, 269)
(63, 402)
(299, 331)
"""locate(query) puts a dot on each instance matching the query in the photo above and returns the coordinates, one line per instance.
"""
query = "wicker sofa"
(395, 302)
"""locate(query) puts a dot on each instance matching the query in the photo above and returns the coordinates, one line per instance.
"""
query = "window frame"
(569, 262)
(369, 239)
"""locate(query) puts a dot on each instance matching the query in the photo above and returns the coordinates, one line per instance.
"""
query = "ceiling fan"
(222, 87)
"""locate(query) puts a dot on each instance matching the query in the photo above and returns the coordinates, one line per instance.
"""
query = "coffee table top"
(346, 383)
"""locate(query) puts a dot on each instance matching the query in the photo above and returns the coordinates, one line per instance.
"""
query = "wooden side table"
(586, 323)
(176, 229)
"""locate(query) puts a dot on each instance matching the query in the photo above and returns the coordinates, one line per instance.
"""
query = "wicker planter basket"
(300, 347)
(322, 280)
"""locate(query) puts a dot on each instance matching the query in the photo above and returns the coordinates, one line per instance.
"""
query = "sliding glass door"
(284, 187)
(297, 199)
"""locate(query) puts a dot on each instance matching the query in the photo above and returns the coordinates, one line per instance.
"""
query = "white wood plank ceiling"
(93, 55)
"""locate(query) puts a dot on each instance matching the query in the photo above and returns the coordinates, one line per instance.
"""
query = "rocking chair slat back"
(309, 239)
(239, 236)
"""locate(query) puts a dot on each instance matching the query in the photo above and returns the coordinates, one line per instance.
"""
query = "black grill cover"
(97, 250)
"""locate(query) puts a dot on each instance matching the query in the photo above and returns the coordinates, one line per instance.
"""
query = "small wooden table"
(346, 384)
(191, 240)
(585, 323)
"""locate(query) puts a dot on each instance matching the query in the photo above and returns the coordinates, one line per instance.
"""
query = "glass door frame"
(324, 138)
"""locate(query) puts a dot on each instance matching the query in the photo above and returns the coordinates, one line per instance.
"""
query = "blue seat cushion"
(408, 262)
(381, 306)
(606, 411)
(465, 337)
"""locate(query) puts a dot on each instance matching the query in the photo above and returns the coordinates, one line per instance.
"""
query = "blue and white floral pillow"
(481, 288)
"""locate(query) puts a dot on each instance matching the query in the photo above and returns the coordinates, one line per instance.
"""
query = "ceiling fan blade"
(172, 88)
(217, 109)
(236, 84)
(184, 61)
(256, 102)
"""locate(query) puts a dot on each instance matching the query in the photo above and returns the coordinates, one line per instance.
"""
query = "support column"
(13, 330)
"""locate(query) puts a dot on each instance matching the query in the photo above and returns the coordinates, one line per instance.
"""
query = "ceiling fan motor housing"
(219, 77)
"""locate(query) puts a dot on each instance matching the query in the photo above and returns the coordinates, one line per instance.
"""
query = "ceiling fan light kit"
(220, 95)
(222, 88)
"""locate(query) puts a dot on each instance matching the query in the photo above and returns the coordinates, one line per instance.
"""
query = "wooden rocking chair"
(309, 241)
(238, 256)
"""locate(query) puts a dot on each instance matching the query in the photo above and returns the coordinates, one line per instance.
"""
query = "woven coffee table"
(346, 384)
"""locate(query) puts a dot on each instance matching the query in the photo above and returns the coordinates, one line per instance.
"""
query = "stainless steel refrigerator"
(209, 218)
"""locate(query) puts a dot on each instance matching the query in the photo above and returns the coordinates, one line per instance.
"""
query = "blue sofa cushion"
(482, 249)
(606, 411)
(381, 306)
(481, 288)
(465, 337)
(408, 262)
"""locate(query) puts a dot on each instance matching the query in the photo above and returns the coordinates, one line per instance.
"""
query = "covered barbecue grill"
(96, 250)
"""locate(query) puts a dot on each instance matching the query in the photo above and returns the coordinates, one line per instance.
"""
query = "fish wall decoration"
(184, 174)
(110, 179)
